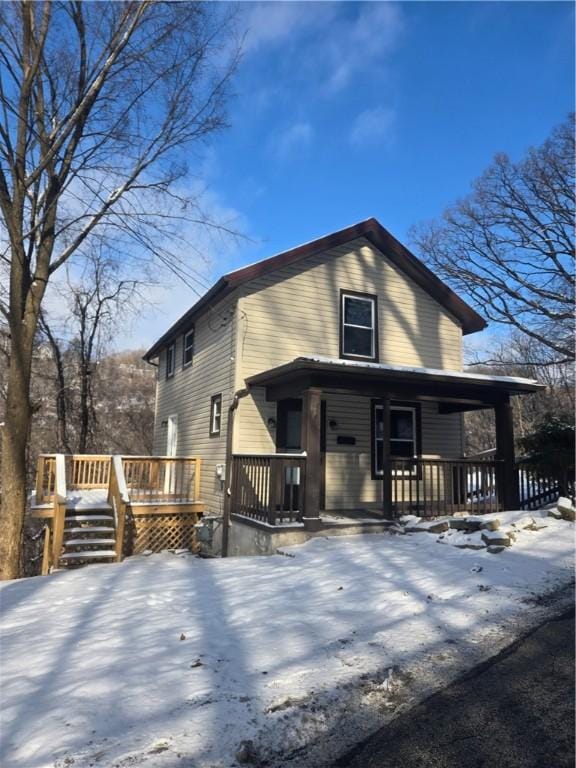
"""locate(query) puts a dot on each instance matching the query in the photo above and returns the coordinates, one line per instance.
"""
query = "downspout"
(238, 395)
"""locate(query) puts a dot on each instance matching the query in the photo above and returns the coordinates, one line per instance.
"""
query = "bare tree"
(100, 105)
(510, 244)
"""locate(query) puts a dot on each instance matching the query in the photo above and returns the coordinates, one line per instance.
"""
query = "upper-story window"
(358, 326)
(188, 348)
(170, 352)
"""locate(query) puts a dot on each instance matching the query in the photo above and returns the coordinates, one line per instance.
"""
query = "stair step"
(89, 555)
(91, 529)
(89, 518)
(88, 542)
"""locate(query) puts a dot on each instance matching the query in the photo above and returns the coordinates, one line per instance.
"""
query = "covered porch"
(397, 469)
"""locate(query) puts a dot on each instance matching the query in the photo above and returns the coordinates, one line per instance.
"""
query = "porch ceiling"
(455, 391)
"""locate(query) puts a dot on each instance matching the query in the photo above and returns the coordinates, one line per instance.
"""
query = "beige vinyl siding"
(295, 311)
(189, 391)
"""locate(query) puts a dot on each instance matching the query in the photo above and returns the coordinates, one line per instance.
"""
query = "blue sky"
(348, 110)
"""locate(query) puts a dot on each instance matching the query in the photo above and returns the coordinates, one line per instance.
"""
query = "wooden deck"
(99, 508)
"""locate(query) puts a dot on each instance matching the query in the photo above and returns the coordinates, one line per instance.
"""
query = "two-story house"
(323, 386)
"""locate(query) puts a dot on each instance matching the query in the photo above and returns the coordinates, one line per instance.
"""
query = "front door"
(289, 435)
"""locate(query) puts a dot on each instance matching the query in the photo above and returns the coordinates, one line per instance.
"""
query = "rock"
(494, 550)
(429, 526)
(523, 523)
(496, 539)
(245, 753)
(566, 509)
(407, 519)
(466, 524)
(536, 526)
(555, 513)
(470, 546)
(490, 525)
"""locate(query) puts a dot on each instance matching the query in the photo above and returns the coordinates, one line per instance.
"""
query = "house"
(323, 387)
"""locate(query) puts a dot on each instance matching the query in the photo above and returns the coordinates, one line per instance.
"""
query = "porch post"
(386, 468)
(508, 485)
(311, 424)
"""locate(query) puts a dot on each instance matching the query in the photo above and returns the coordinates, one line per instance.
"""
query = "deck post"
(386, 465)
(311, 427)
(508, 492)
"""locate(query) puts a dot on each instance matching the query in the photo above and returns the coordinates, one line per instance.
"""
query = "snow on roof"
(412, 369)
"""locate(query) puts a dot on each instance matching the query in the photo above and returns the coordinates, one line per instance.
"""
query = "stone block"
(566, 509)
(428, 526)
(494, 550)
(490, 525)
(555, 513)
(496, 538)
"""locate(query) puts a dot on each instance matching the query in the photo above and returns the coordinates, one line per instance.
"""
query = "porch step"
(88, 542)
(90, 529)
(89, 518)
(95, 554)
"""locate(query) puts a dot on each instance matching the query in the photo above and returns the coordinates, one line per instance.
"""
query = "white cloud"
(362, 46)
(271, 23)
(326, 44)
(294, 139)
(373, 126)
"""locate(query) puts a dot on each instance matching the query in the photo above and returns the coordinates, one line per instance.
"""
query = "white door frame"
(171, 450)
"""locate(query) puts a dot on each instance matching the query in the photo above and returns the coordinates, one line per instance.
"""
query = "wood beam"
(386, 467)
(508, 490)
(311, 429)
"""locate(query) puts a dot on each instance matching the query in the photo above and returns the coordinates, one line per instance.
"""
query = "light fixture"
(333, 424)
(272, 423)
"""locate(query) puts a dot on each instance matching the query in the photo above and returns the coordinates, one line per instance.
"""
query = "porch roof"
(468, 390)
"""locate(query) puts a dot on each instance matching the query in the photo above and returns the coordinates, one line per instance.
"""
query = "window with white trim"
(215, 415)
(170, 351)
(358, 326)
(188, 348)
(403, 440)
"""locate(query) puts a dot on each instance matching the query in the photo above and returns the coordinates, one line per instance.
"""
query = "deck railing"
(269, 488)
(431, 487)
(162, 479)
(45, 478)
(87, 471)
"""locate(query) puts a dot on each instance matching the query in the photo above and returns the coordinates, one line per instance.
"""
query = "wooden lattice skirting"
(157, 532)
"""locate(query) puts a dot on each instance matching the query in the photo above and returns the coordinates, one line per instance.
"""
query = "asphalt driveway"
(514, 711)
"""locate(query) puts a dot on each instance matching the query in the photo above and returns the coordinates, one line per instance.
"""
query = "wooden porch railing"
(162, 479)
(45, 478)
(269, 487)
(59, 514)
(119, 500)
(87, 471)
(432, 487)
(536, 487)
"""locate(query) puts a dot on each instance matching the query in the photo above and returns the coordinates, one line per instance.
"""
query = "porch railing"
(87, 471)
(269, 487)
(536, 487)
(162, 479)
(431, 487)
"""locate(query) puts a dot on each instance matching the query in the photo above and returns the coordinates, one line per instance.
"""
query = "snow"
(412, 369)
(169, 660)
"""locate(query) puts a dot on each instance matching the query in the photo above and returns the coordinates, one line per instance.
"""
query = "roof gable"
(372, 231)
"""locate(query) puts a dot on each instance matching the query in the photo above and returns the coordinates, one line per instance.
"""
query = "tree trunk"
(14, 480)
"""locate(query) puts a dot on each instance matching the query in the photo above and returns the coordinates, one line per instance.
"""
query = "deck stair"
(97, 507)
(89, 532)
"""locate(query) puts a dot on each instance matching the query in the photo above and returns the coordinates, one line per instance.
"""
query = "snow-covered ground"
(173, 661)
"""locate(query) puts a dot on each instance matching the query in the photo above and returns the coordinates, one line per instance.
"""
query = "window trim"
(171, 348)
(375, 343)
(215, 399)
(187, 364)
(412, 405)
